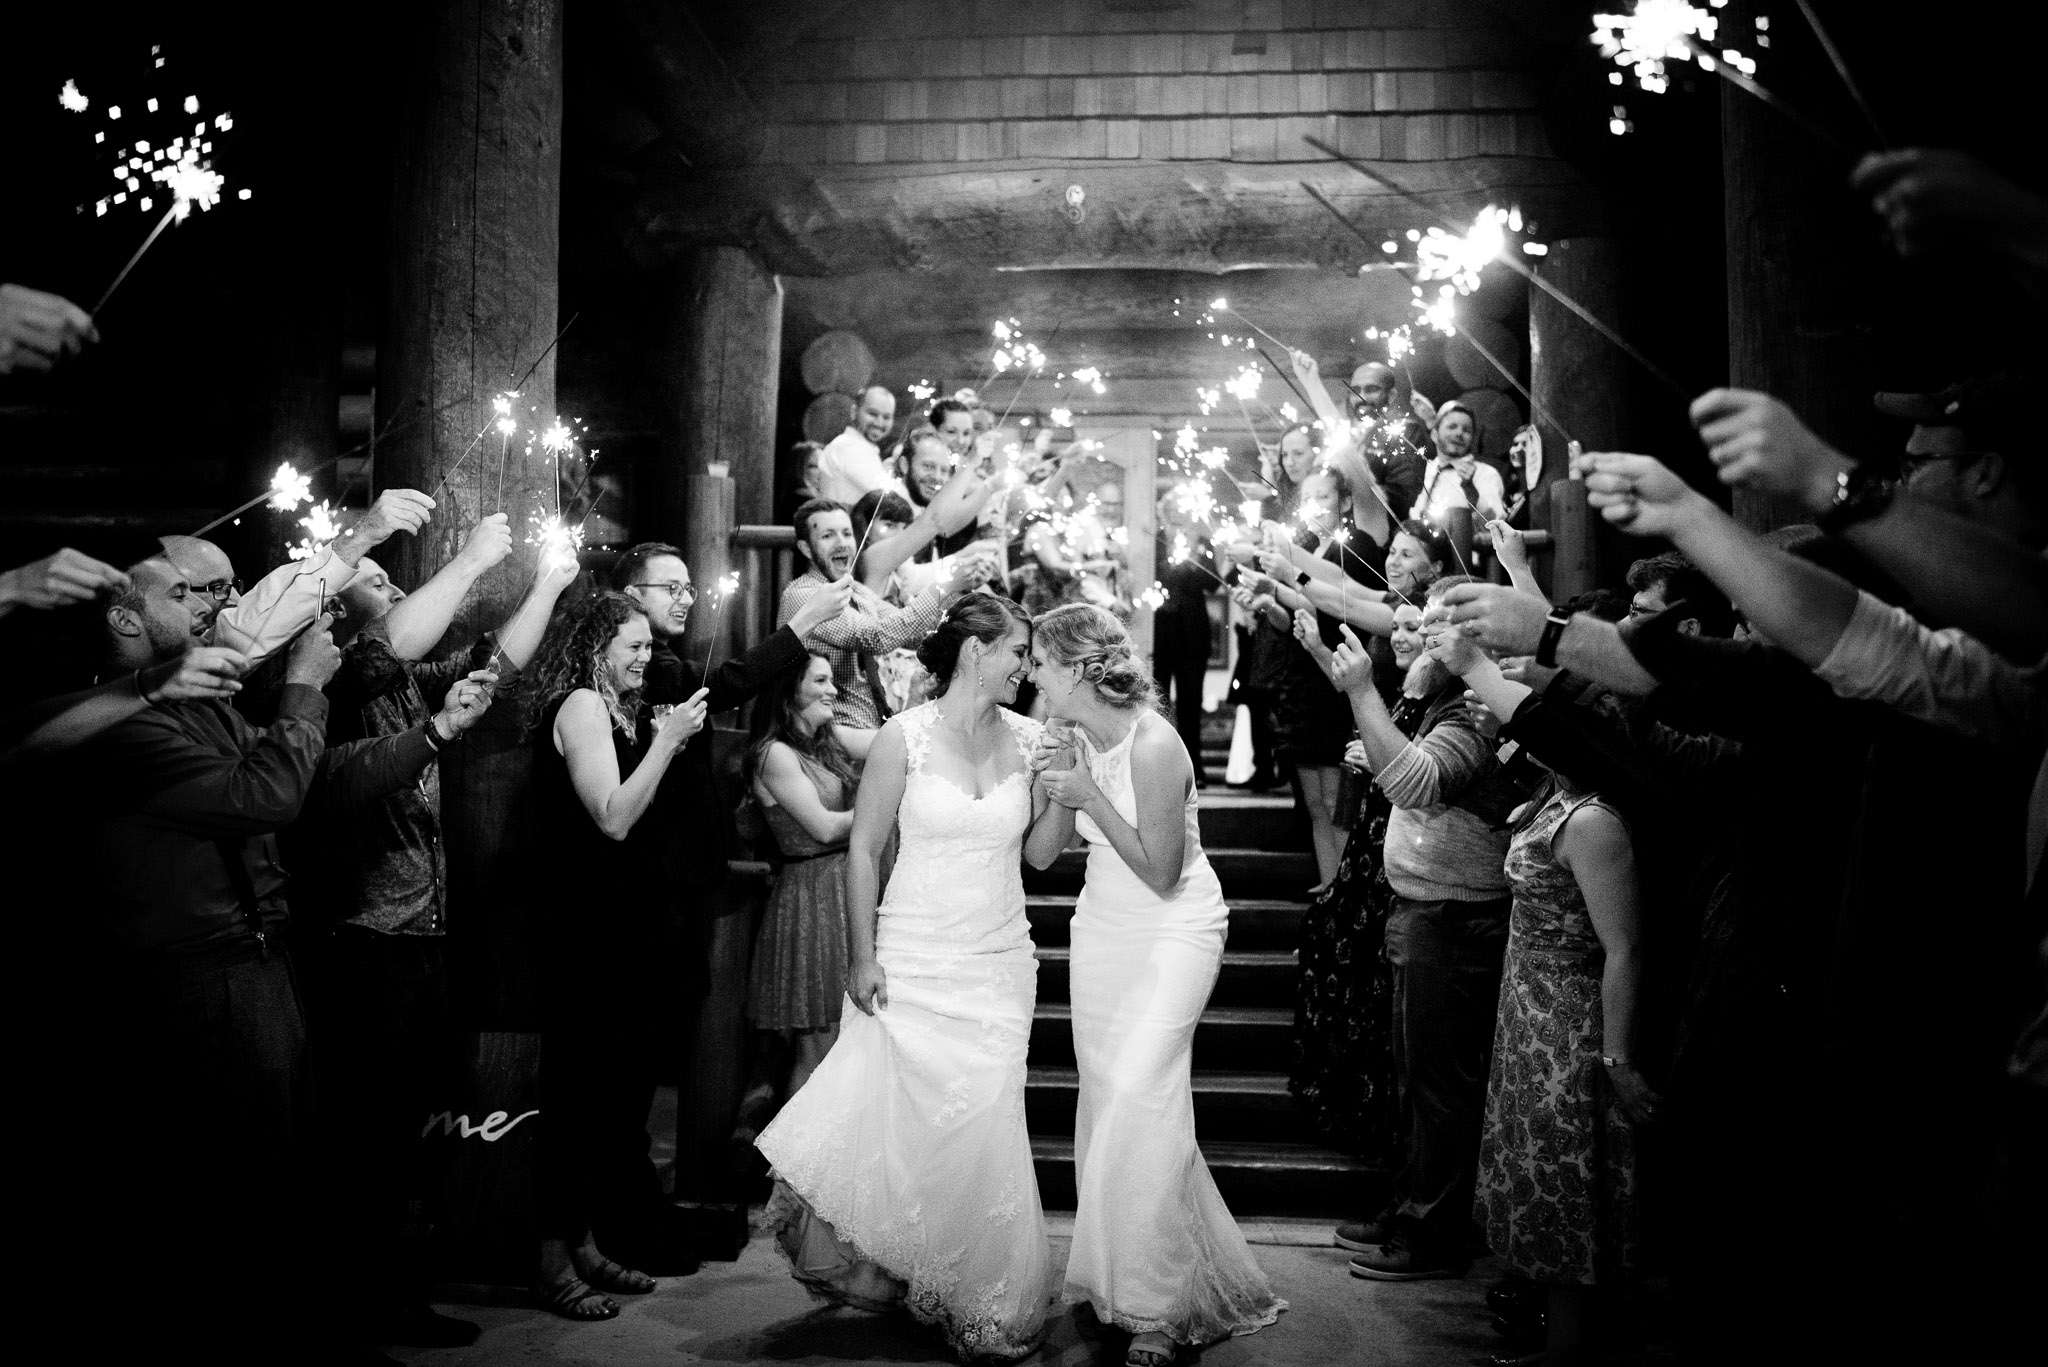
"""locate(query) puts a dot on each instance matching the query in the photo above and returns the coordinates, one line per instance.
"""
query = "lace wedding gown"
(1155, 1248)
(903, 1167)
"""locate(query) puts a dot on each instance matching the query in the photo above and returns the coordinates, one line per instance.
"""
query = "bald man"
(1396, 444)
(851, 463)
(278, 605)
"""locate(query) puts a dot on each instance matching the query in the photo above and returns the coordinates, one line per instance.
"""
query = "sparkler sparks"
(1660, 31)
(289, 488)
(321, 531)
(558, 541)
(71, 99)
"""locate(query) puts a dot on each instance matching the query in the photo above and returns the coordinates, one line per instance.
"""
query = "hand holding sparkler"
(396, 510)
(1510, 547)
(1454, 649)
(1310, 636)
(38, 330)
(1758, 442)
(202, 672)
(1349, 665)
(1639, 495)
(489, 542)
(824, 605)
(60, 578)
(1928, 197)
(1504, 620)
(680, 721)
(314, 658)
(467, 701)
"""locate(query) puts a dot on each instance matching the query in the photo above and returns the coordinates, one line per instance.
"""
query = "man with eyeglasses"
(643, 1229)
(275, 608)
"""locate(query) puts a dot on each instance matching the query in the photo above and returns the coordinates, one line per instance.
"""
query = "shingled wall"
(936, 84)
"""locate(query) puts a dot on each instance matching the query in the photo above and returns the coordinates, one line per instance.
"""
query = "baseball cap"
(1987, 408)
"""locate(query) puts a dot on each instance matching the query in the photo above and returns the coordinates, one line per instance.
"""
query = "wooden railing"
(765, 556)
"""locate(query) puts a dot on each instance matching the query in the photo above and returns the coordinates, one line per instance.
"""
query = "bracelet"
(434, 742)
(1859, 494)
(1553, 632)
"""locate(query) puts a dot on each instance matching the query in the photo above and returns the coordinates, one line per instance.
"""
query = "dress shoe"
(1398, 1261)
(1366, 1235)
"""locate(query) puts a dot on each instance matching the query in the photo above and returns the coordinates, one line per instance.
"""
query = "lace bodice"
(958, 881)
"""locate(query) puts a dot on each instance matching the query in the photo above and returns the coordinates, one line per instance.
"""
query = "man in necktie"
(1457, 477)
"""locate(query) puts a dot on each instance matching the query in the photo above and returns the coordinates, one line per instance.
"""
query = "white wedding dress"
(1155, 1248)
(903, 1166)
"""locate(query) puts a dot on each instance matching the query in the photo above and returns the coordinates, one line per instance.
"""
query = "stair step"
(1226, 1037)
(1254, 1178)
(1248, 977)
(1268, 873)
(1229, 1107)
(1249, 821)
(1256, 923)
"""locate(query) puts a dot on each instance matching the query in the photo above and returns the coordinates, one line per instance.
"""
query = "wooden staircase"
(1259, 1145)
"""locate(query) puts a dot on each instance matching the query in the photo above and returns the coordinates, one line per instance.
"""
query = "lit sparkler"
(321, 531)
(190, 183)
(289, 488)
(1656, 32)
(72, 99)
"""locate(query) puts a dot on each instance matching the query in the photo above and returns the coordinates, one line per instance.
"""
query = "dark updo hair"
(983, 616)
(943, 407)
(1093, 638)
(1436, 543)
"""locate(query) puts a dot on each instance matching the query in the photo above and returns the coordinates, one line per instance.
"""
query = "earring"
(979, 682)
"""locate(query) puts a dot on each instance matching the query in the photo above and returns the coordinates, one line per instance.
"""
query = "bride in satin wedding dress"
(903, 1168)
(1155, 1250)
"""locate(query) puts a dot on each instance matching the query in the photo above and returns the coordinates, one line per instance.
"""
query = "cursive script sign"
(495, 1126)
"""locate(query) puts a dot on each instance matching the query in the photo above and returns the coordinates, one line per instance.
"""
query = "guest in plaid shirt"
(869, 627)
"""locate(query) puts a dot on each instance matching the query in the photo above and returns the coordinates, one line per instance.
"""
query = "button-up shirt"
(185, 792)
(851, 465)
(869, 627)
(1443, 489)
(382, 866)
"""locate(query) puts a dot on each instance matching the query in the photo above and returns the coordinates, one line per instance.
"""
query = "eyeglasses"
(219, 588)
(675, 588)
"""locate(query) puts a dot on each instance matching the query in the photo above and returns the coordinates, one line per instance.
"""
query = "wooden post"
(1581, 380)
(723, 364)
(707, 549)
(472, 299)
(1574, 528)
(471, 306)
(1800, 260)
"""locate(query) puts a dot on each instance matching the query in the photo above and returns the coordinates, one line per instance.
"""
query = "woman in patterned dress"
(1557, 1165)
(805, 774)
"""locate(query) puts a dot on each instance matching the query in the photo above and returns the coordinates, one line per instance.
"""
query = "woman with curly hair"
(1155, 1250)
(804, 771)
(598, 760)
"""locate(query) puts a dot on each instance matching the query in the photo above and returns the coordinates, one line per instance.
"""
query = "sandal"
(607, 1275)
(573, 1299)
(1151, 1355)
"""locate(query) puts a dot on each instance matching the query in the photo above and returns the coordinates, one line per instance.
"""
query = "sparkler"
(1222, 305)
(289, 488)
(1659, 31)
(1184, 554)
(190, 183)
(1507, 259)
(1841, 68)
(728, 584)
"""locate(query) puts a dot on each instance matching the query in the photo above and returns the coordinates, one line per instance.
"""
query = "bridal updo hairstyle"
(1093, 638)
(983, 616)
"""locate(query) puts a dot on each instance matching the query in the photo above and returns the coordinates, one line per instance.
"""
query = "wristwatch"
(1553, 631)
(1301, 579)
(1613, 1061)
(1859, 493)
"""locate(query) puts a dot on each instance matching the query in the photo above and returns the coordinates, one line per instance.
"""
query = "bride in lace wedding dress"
(1155, 1250)
(903, 1169)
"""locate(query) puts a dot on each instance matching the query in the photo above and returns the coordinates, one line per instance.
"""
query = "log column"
(1800, 258)
(471, 306)
(472, 299)
(723, 365)
(1579, 379)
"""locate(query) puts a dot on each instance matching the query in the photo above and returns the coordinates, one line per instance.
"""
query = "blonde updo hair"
(1091, 637)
